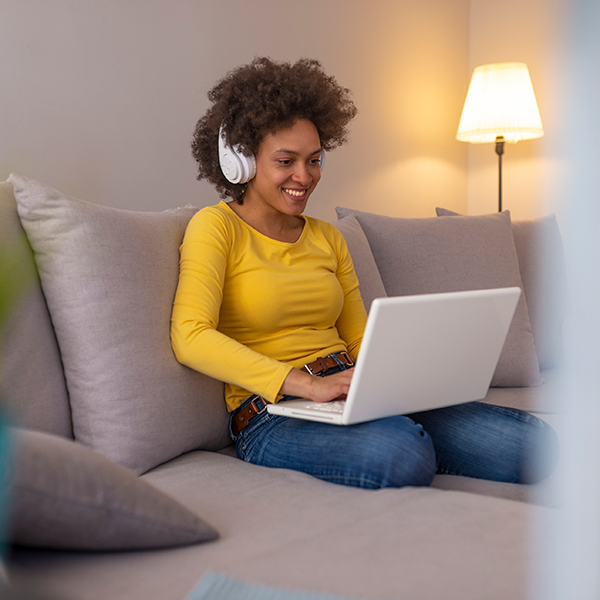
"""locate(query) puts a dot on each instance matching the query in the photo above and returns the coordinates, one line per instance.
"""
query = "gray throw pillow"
(109, 277)
(543, 270)
(421, 256)
(68, 497)
(371, 286)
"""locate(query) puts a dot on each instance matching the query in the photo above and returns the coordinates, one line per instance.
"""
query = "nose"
(303, 175)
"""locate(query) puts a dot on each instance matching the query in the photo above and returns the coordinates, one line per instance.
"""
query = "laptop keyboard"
(335, 406)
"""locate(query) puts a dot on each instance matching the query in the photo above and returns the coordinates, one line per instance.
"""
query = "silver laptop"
(419, 353)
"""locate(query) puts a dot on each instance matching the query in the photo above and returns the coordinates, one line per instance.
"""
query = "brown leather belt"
(243, 416)
(258, 405)
(321, 365)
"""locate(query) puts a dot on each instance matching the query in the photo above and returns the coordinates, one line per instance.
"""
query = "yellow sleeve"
(353, 318)
(196, 341)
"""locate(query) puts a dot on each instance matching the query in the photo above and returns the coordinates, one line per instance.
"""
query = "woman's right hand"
(319, 389)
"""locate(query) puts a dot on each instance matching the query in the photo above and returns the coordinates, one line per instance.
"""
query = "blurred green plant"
(14, 276)
(12, 280)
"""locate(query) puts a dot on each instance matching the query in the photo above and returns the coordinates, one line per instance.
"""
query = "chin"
(298, 209)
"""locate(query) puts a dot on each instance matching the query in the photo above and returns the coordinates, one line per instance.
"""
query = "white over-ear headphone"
(239, 168)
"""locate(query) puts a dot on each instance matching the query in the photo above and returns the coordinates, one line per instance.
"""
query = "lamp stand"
(500, 152)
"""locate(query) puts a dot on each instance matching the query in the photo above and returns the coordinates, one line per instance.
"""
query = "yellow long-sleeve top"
(249, 308)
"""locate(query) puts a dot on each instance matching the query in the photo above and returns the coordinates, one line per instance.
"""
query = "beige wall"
(99, 97)
(534, 32)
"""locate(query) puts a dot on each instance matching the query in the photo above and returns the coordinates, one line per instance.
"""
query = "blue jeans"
(474, 440)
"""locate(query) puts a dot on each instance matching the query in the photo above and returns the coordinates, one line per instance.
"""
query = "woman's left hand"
(318, 389)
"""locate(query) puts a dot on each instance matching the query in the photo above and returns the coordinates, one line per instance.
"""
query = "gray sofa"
(125, 484)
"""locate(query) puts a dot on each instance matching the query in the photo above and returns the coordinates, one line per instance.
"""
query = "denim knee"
(527, 451)
(491, 442)
(403, 455)
(541, 451)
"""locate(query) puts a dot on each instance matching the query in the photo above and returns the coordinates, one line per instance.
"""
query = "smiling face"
(287, 170)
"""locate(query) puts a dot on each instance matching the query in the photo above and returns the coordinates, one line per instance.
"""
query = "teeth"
(296, 193)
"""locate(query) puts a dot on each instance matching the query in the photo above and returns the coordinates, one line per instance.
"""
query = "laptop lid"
(428, 351)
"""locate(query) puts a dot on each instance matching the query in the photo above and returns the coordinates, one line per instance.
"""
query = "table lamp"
(500, 107)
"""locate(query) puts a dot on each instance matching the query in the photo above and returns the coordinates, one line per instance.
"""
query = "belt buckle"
(263, 409)
(347, 356)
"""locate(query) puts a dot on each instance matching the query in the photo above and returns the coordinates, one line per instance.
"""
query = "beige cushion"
(32, 381)
(420, 256)
(542, 266)
(67, 496)
(371, 286)
(109, 277)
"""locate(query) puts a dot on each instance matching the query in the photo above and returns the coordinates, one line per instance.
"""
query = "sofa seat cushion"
(66, 496)
(109, 277)
(286, 529)
(421, 256)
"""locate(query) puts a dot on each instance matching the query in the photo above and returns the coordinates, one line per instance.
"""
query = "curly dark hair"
(264, 97)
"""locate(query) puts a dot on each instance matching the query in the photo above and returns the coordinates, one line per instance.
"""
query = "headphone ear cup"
(322, 160)
(249, 163)
(237, 167)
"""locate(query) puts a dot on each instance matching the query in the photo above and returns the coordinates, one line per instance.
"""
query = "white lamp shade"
(500, 102)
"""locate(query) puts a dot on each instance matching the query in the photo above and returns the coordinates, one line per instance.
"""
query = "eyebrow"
(286, 151)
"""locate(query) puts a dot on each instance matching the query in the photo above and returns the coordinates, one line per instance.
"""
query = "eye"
(285, 162)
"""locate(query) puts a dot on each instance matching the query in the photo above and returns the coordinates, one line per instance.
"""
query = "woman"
(264, 291)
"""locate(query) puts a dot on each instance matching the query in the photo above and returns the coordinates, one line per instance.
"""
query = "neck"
(273, 224)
